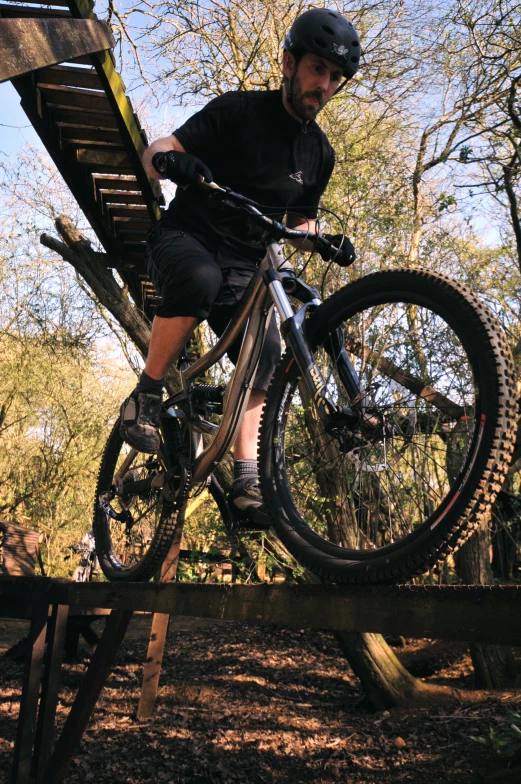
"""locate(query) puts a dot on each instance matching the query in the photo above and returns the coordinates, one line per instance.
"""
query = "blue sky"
(12, 139)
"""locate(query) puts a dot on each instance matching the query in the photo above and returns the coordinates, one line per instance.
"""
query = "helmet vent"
(328, 30)
(355, 43)
(320, 42)
(332, 14)
(354, 59)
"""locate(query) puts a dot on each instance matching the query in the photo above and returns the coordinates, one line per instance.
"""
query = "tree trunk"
(385, 681)
(93, 268)
(494, 666)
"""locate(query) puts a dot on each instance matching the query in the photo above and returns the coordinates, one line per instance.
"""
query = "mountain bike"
(386, 433)
(88, 567)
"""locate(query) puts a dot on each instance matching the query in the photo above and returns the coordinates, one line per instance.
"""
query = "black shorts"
(206, 284)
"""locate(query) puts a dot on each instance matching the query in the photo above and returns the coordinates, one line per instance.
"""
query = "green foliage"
(445, 201)
(504, 742)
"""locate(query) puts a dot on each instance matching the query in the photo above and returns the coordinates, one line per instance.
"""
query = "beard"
(305, 104)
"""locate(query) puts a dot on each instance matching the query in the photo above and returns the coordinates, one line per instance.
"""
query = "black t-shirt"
(254, 146)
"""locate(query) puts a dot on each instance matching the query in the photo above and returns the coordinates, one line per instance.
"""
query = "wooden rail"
(87, 124)
(490, 614)
(481, 613)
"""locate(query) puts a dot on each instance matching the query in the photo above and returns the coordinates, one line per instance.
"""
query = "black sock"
(243, 471)
(152, 385)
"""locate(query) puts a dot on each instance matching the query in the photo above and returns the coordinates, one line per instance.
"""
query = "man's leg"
(189, 280)
(168, 337)
(245, 496)
(139, 413)
(248, 435)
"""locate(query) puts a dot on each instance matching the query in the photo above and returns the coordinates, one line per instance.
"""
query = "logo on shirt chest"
(297, 177)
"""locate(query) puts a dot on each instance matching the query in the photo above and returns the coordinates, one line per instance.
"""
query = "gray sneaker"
(248, 507)
(139, 424)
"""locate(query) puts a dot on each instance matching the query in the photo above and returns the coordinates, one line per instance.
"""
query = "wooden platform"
(489, 614)
(482, 613)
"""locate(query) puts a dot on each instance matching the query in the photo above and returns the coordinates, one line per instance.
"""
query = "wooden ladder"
(87, 124)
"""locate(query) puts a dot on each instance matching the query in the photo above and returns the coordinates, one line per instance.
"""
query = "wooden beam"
(26, 728)
(87, 696)
(28, 44)
(452, 612)
(159, 630)
(44, 737)
(70, 77)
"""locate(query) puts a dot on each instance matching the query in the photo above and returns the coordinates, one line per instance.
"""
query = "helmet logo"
(340, 50)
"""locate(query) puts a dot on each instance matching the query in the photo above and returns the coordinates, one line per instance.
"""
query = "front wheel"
(388, 498)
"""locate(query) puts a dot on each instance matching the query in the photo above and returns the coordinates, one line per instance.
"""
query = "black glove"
(181, 167)
(345, 256)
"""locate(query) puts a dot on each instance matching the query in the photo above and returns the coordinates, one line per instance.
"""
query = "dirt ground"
(253, 704)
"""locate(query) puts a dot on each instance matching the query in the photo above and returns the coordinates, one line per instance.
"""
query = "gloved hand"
(181, 167)
(346, 254)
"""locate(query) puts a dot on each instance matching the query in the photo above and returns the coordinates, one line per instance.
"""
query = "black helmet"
(327, 34)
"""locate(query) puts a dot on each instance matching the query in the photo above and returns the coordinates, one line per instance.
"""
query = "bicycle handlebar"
(277, 229)
(272, 225)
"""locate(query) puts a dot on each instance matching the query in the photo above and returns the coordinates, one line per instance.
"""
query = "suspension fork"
(334, 346)
(291, 329)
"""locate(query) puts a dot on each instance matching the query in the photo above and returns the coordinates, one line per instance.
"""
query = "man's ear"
(288, 63)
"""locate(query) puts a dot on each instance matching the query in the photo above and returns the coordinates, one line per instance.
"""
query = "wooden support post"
(44, 739)
(87, 696)
(26, 728)
(159, 631)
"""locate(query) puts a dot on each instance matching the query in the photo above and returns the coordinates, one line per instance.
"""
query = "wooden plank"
(91, 133)
(159, 630)
(133, 240)
(87, 696)
(480, 613)
(121, 183)
(44, 737)
(70, 114)
(83, 60)
(19, 549)
(75, 176)
(26, 726)
(103, 161)
(59, 3)
(56, 94)
(135, 212)
(121, 197)
(19, 12)
(68, 76)
(84, 143)
(133, 245)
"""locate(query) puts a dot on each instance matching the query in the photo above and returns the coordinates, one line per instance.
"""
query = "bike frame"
(265, 291)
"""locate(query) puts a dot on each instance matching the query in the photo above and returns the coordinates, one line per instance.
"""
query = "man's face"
(315, 79)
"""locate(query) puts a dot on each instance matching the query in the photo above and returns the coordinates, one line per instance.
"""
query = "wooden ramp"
(86, 122)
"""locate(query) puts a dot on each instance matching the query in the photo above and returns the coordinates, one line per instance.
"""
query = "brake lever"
(210, 186)
(322, 245)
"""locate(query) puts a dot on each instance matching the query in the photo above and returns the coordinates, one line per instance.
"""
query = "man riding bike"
(266, 145)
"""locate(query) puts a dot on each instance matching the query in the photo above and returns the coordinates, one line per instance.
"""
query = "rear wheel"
(135, 511)
(389, 497)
